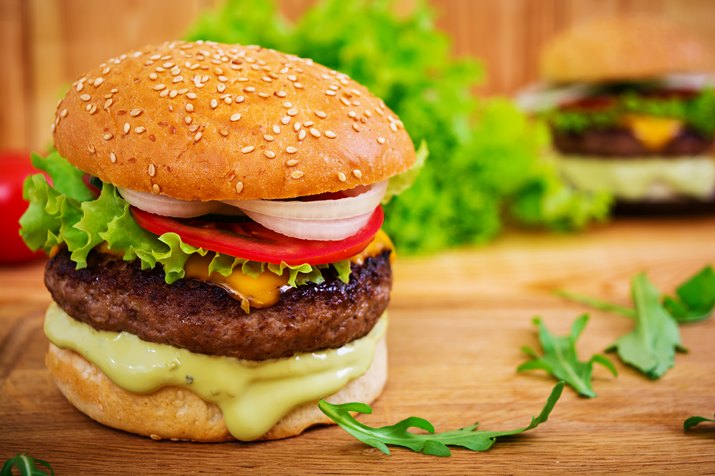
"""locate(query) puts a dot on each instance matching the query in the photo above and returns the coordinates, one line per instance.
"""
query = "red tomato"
(14, 167)
(249, 240)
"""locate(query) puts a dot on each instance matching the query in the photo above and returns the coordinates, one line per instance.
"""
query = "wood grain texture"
(458, 321)
(49, 43)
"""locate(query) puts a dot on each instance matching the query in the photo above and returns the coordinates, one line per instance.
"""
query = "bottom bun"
(178, 414)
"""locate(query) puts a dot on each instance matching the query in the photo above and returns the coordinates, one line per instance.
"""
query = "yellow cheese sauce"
(653, 132)
(265, 290)
(253, 396)
(648, 178)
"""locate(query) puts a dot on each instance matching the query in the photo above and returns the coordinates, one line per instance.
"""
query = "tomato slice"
(243, 238)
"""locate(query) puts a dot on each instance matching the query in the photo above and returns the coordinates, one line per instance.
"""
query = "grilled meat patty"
(114, 295)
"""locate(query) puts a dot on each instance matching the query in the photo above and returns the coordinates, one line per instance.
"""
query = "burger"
(213, 225)
(631, 109)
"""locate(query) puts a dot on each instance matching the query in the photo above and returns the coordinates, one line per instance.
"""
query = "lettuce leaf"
(81, 223)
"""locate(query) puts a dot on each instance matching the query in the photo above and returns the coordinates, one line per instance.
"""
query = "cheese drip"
(265, 289)
(253, 396)
(653, 132)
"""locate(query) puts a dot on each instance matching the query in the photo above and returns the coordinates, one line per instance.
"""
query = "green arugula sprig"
(694, 420)
(560, 358)
(429, 443)
(27, 465)
(651, 346)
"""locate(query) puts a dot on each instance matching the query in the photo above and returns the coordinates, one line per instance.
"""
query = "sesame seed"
(298, 85)
(53, 127)
(239, 187)
(198, 136)
(189, 107)
(223, 132)
(276, 129)
(63, 113)
(292, 112)
(135, 112)
(368, 113)
(291, 150)
(296, 126)
(91, 149)
(356, 127)
(314, 132)
(248, 149)
(80, 87)
(191, 95)
(321, 114)
(98, 81)
(287, 104)
(93, 109)
(267, 79)
(285, 120)
(357, 173)
(235, 117)
(330, 92)
(292, 77)
(113, 157)
(168, 64)
(352, 114)
(220, 87)
(264, 95)
(172, 94)
(187, 120)
(107, 136)
(223, 79)
(214, 104)
(393, 127)
(151, 170)
(330, 134)
(296, 174)
(183, 90)
(240, 99)
(345, 101)
(268, 137)
(85, 97)
(88, 107)
(177, 79)
(334, 87)
(194, 128)
(249, 89)
(380, 140)
(227, 100)
(159, 87)
(281, 94)
(342, 177)
(156, 189)
(127, 127)
(291, 162)
(301, 134)
(269, 153)
(308, 123)
(140, 129)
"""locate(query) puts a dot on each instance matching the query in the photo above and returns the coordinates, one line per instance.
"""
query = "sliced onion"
(170, 207)
(321, 230)
(541, 97)
(318, 210)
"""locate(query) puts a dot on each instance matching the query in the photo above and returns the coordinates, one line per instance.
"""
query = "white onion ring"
(170, 207)
(321, 230)
(318, 210)
(542, 97)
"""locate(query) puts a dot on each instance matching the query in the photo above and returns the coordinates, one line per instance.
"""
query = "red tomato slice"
(247, 239)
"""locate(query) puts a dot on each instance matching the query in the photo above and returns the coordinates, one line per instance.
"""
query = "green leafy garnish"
(560, 358)
(694, 300)
(651, 346)
(65, 216)
(429, 443)
(698, 112)
(694, 420)
(485, 165)
(27, 465)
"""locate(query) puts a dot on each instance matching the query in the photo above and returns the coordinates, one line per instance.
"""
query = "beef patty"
(620, 143)
(114, 295)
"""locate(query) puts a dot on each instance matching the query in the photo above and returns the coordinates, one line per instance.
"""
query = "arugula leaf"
(561, 361)
(694, 420)
(695, 298)
(429, 443)
(651, 346)
(27, 465)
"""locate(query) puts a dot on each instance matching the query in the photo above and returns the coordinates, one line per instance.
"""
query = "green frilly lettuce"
(66, 214)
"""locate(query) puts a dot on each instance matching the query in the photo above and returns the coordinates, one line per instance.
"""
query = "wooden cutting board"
(458, 321)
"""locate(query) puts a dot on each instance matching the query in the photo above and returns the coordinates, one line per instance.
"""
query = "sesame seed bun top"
(208, 121)
(622, 48)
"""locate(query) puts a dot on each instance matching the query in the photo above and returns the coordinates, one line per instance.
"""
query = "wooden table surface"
(458, 321)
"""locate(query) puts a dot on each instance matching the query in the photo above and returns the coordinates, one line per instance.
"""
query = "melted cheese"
(253, 396)
(653, 132)
(265, 290)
